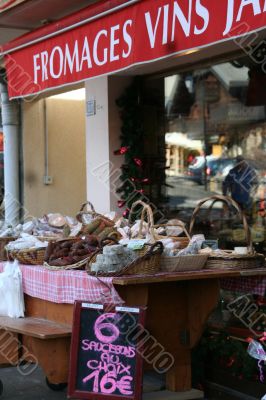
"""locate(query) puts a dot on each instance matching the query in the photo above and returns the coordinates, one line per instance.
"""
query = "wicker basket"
(183, 263)
(148, 212)
(154, 237)
(227, 259)
(182, 240)
(78, 265)
(49, 238)
(3, 242)
(31, 256)
(146, 264)
(92, 213)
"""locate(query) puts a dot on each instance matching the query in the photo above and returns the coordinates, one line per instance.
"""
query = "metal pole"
(204, 104)
(10, 119)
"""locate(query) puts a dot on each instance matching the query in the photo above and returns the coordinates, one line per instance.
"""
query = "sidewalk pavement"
(33, 387)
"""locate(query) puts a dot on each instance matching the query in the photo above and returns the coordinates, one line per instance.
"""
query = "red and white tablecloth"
(250, 284)
(67, 286)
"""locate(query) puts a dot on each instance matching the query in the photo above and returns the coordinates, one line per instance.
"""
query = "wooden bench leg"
(9, 345)
(52, 356)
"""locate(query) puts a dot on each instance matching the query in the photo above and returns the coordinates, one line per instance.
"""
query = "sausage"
(49, 250)
(82, 252)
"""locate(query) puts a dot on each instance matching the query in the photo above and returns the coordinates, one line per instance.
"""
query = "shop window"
(215, 118)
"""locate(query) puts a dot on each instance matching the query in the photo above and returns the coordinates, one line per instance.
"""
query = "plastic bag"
(256, 350)
(11, 292)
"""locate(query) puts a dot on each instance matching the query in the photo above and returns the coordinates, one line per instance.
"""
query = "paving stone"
(166, 395)
(153, 382)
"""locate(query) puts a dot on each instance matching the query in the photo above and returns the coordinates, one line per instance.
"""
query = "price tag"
(137, 244)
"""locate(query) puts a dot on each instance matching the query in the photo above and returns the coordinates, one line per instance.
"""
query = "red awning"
(112, 36)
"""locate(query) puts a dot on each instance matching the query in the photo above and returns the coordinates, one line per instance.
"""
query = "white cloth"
(11, 292)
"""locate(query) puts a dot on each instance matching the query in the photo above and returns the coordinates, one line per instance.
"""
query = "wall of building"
(66, 156)
(102, 139)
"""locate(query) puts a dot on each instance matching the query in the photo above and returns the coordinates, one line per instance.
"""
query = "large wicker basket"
(146, 264)
(227, 259)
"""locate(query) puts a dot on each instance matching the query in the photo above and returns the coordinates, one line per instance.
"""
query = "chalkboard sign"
(105, 352)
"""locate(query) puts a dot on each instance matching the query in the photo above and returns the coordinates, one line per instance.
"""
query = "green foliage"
(132, 137)
(224, 352)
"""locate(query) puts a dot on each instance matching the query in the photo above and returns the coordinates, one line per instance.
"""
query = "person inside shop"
(240, 183)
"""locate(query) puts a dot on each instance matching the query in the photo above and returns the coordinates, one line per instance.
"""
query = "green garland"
(132, 138)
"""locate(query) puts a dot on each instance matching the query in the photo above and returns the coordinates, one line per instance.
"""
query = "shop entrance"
(193, 132)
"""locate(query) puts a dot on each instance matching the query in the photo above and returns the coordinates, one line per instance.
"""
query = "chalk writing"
(111, 329)
(103, 361)
(110, 373)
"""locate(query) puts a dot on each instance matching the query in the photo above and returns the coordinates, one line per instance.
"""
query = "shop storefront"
(193, 98)
(171, 96)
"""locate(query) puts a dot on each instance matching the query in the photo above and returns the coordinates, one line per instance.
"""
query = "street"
(185, 193)
(32, 387)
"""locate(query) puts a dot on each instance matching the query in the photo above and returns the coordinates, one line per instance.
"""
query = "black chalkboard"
(105, 358)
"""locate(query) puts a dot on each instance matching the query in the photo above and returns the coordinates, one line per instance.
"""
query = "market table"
(190, 296)
(178, 305)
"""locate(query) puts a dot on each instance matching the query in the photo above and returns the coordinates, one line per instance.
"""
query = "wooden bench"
(35, 327)
(39, 341)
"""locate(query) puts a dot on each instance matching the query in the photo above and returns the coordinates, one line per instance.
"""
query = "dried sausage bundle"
(70, 251)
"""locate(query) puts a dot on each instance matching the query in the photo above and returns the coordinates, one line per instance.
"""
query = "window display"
(215, 139)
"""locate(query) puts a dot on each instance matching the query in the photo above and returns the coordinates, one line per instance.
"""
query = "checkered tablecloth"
(251, 284)
(67, 286)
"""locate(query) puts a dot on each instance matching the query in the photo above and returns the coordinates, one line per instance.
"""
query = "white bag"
(11, 292)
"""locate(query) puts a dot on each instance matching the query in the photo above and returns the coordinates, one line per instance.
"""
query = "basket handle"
(209, 209)
(156, 248)
(87, 203)
(177, 223)
(229, 202)
(136, 203)
(82, 208)
(146, 210)
(106, 241)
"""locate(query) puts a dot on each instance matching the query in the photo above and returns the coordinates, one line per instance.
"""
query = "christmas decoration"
(143, 171)
(145, 180)
(121, 203)
(126, 213)
(138, 162)
(121, 151)
(131, 145)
